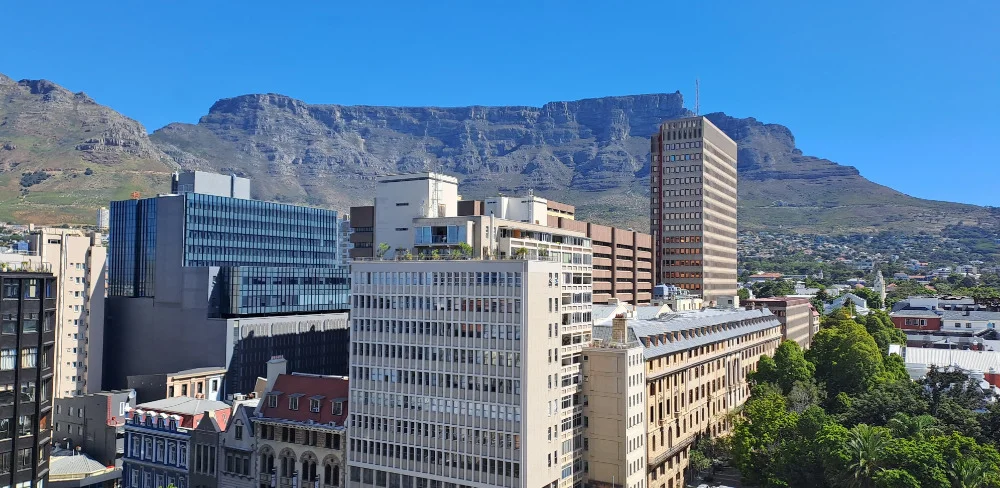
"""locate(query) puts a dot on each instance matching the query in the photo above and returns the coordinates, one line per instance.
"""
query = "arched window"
(331, 473)
(266, 461)
(287, 463)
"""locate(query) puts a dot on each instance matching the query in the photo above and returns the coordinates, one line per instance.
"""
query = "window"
(293, 403)
(239, 432)
(8, 359)
(24, 459)
(25, 425)
(314, 405)
(29, 357)
(272, 401)
(338, 408)
(184, 390)
(28, 391)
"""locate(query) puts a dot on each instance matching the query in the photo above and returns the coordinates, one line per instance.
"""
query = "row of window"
(463, 278)
(362, 399)
(32, 287)
(479, 437)
(444, 304)
(149, 448)
(29, 358)
(29, 323)
(436, 457)
(464, 355)
(444, 380)
(24, 460)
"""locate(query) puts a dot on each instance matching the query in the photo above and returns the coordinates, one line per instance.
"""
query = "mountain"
(50, 137)
(592, 153)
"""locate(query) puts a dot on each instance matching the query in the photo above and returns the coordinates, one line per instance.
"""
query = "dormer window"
(293, 403)
(314, 405)
(338, 408)
(272, 401)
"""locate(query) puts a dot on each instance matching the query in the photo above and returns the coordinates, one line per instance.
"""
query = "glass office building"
(132, 248)
(274, 258)
(187, 272)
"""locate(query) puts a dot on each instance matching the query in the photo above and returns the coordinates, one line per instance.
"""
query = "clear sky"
(906, 91)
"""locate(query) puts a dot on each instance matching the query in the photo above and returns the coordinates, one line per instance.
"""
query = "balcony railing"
(25, 267)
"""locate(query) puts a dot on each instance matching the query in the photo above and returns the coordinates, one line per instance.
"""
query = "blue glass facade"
(222, 231)
(292, 249)
(260, 291)
(132, 248)
(156, 453)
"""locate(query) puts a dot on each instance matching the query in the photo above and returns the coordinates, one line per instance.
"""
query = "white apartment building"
(78, 262)
(467, 373)
(401, 198)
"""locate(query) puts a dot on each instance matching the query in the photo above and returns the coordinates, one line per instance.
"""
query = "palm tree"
(918, 427)
(969, 472)
(865, 446)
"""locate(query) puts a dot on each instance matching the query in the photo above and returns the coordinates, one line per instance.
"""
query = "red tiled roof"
(326, 389)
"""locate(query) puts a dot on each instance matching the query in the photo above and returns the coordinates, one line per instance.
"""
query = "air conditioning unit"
(314, 410)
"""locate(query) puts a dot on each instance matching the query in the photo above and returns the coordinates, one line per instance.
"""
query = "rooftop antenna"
(697, 97)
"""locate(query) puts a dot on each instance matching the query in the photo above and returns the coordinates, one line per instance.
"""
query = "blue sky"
(906, 91)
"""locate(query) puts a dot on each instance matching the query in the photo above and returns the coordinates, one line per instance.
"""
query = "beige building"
(614, 380)
(467, 372)
(695, 375)
(693, 208)
(78, 261)
(795, 313)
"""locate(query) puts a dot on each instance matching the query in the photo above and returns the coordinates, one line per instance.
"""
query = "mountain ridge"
(593, 153)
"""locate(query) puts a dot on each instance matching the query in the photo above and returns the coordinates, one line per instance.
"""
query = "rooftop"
(693, 329)
(199, 371)
(65, 465)
(183, 405)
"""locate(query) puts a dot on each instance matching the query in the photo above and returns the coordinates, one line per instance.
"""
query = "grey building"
(205, 453)
(185, 269)
(95, 423)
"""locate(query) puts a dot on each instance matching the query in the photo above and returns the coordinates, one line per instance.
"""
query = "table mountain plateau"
(592, 153)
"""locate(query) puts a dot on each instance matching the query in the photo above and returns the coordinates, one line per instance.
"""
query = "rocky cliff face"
(46, 128)
(593, 153)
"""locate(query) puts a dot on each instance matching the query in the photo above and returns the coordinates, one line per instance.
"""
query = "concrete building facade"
(237, 451)
(693, 207)
(614, 380)
(795, 315)
(94, 422)
(78, 259)
(695, 376)
(203, 383)
(467, 372)
(401, 198)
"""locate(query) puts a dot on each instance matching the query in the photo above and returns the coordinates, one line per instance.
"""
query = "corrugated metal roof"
(965, 359)
(687, 323)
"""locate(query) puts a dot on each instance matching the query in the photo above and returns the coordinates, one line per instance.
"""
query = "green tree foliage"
(855, 419)
(847, 358)
(880, 327)
(743, 293)
(871, 296)
(767, 289)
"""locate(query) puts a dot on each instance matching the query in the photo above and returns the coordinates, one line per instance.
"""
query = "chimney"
(278, 365)
(619, 329)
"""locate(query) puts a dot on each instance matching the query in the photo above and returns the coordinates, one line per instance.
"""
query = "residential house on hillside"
(859, 305)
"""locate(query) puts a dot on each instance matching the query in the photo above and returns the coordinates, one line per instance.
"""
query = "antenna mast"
(697, 97)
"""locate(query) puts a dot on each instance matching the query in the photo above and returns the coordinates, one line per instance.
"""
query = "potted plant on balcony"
(435, 254)
(464, 250)
(521, 253)
(382, 249)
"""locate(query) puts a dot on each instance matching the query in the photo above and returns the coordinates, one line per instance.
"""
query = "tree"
(866, 446)
(521, 252)
(758, 435)
(969, 472)
(917, 427)
(885, 400)
(788, 366)
(846, 357)
(464, 250)
(744, 294)
(698, 462)
(766, 289)
(88, 171)
(382, 250)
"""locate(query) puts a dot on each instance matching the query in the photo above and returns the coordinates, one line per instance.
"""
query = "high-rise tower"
(693, 207)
